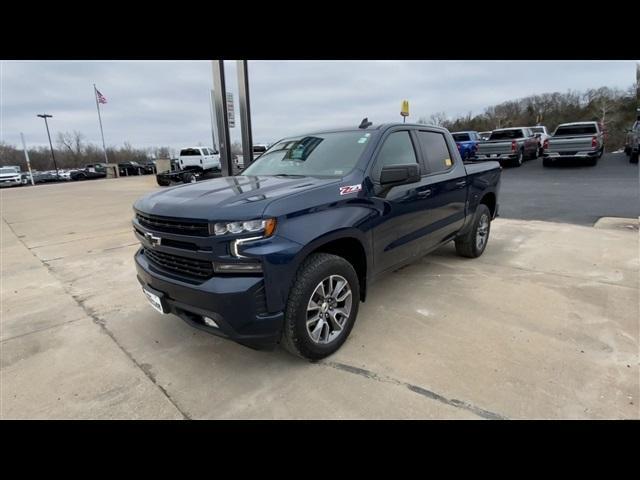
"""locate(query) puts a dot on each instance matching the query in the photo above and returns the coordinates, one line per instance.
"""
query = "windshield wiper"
(290, 175)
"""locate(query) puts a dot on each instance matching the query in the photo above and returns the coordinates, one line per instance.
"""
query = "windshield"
(588, 129)
(325, 154)
(461, 137)
(537, 129)
(505, 134)
(8, 170)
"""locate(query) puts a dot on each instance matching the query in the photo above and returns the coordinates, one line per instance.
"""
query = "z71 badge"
(350, 189)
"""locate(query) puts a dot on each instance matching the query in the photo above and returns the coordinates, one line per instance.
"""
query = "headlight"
(251, 226)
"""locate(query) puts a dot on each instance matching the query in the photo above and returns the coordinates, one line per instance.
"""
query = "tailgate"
(494, 147)
(570, 144)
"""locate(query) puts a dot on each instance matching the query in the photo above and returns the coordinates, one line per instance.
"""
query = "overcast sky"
(166, 103)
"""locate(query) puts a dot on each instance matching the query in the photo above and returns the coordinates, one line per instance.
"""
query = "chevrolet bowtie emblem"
(155, 241)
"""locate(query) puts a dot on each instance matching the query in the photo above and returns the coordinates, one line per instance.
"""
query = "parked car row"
(514, 145)
(13, 176)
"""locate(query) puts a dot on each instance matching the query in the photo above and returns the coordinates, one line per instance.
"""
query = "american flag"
(101, 98)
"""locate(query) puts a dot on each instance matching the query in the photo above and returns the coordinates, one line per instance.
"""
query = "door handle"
(424, 193)
(461, 183)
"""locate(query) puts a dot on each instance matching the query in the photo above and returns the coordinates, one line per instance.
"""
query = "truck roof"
(578, 123)
(380, 126)
(509, 128)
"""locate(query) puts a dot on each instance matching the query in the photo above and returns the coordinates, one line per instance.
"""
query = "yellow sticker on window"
(448, 162)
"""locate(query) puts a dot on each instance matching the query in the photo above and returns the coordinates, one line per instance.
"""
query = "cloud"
(165, 103)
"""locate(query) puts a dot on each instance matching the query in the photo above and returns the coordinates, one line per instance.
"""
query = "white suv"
(201, 158)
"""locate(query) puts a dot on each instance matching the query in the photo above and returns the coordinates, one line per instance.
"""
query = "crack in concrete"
(102, 324)
(43, 329)
(452, 402)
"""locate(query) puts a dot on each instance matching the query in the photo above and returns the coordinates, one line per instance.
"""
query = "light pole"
(45, 116)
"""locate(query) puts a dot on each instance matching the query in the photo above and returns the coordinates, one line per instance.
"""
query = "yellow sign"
(405, 108)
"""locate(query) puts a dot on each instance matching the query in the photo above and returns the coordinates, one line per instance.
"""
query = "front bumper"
(12, 182)
(235, 303)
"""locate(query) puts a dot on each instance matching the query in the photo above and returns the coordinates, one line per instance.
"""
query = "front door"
(402, 216)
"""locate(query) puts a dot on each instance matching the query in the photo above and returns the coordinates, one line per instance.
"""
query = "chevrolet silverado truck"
(541, 133)
(584, 140)
(509, 145)
(286, 251)
(10, 177)
(467, 143)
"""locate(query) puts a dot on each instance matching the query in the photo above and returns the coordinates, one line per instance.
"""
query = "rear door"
(445, 181)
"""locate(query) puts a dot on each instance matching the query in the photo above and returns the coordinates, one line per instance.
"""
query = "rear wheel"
(189, 178)
(547, 162)
(473, 243)
(163, 182)
(518, 161)
(633, 158)
(322, 306)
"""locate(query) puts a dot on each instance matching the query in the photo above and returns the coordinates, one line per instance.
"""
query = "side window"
(396, 150)
(435, 151)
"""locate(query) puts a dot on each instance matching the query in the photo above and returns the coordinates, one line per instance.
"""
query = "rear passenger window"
(435, 151)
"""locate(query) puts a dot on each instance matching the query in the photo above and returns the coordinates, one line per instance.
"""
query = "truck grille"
(181, 227)
(183, 266)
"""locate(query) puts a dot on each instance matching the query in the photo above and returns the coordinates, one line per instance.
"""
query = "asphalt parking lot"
(570, 191)
(543, 325)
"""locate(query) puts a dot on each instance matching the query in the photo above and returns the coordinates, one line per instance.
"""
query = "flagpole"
(95, 94)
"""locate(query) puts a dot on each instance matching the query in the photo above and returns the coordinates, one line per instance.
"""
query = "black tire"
(163, 182)
(627, 151)
(467, 245)
(189, 178)
(295, 335)
(518, 161)
(547, 162)
(593, 161)
(633, 158)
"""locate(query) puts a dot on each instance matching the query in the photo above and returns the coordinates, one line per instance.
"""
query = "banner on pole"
(230, 111)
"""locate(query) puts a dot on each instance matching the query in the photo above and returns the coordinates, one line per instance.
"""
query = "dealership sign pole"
(222, 117)
(245, 112)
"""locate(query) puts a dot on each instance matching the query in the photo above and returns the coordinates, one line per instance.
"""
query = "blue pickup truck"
(467, 143)
(285, 252)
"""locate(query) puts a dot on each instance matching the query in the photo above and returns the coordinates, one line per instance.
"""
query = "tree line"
(614, 108)
(72, 151)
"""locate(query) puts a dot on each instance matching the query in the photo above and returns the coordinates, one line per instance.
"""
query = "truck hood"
(5, 176)
(226, 198)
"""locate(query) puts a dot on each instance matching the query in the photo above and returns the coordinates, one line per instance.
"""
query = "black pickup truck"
(286, 251)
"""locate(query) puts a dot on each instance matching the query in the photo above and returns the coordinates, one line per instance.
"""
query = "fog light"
(209, 322)
(237, 267)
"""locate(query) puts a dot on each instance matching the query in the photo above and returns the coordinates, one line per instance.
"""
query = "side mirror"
(400, 174)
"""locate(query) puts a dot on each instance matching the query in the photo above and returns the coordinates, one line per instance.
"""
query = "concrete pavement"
(543, 325)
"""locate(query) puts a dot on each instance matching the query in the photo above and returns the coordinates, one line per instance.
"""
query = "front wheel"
(633, 158)
(473, 243)
(322, 306)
